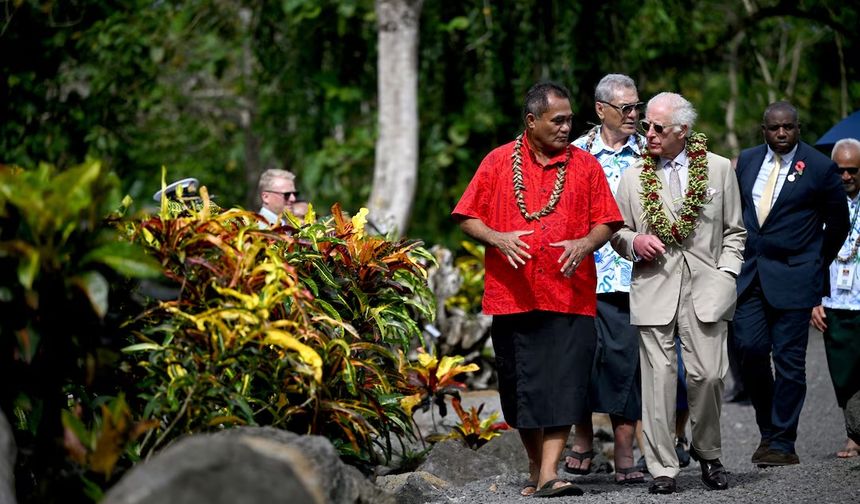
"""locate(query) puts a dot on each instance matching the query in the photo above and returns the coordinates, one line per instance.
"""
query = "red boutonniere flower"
(799, 167)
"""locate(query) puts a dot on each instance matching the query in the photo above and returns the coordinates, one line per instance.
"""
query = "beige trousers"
(703, 348)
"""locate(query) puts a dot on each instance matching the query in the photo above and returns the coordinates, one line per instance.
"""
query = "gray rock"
(508, 449)
(458, 464)
(852, 417)
(414, 488)
(8, 452)
(245, 465)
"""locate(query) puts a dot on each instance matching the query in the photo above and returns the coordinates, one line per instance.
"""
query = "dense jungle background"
(127, 323)
(221, 89)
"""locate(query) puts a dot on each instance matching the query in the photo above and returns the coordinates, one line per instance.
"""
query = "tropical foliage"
(433, 378)
(472, 430)
(218, 90)
(64, 277)
(303, 327)
(299, 327)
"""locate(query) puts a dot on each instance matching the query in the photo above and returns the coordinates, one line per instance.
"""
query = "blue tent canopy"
(846, 128)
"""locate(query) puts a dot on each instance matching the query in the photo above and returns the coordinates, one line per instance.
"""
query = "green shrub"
(64, 277)
(301, 327)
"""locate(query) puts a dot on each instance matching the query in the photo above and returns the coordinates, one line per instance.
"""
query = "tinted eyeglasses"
(286, 194)
(659, 128)
(852, 170)
(626, 108)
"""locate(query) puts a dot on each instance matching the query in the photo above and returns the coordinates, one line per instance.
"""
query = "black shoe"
(773, 458)
(662, 485)
(714, 474)
(759, 452)
(681, 452)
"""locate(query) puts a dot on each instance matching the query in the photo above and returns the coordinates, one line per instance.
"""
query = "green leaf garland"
(697, 191)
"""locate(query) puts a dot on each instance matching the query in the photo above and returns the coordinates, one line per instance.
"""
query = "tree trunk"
(247, 114)
(396, 168)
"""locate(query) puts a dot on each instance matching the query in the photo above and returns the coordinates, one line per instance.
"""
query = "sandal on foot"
(626, 471)
(549, 490)
(529, 488)
(581, 457)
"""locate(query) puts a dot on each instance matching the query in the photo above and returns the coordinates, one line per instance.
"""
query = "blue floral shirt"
(613, 272)
(845, 299)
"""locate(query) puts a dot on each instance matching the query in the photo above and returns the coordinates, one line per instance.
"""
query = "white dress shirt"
(764, 173)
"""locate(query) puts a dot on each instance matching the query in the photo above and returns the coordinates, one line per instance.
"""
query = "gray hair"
(846, 143)
(611, 84)
(683, 112)
(270, 175)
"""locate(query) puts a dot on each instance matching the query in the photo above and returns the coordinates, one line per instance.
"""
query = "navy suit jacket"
(801, 236)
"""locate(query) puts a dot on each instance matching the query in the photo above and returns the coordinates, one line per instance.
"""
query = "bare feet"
(851, 450)
(530, 486)
(529, 489)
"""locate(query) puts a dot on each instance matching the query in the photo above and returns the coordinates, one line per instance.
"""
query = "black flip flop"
(547, 489)
(580, 457)
(629, 481)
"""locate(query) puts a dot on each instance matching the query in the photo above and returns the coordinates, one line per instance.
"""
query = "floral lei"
(695, 198)
(519, 186)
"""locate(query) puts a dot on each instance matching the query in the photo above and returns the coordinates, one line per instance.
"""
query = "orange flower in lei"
(697, 190)
(519, 186)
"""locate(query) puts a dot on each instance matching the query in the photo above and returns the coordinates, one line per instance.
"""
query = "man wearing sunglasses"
(278, 194)
(796, 217)
(683, 231)
(615, 388)
(838, 316)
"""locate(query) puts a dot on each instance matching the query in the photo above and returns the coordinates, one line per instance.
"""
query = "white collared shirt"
(846, 299)
(271, 216)
(764, 173)
(683, 168)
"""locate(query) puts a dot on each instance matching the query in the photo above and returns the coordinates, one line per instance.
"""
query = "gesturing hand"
(574, 252)
(512, 247)
(648, 247)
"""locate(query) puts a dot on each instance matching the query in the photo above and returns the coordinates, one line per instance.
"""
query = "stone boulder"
(8, 452)
(454, 462)
(415, 487)
(509, 450)
(246, 466)
(852, 417)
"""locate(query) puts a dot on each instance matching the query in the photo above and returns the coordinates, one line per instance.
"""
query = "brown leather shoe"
(714, 474)
(759, 452)
(773, 458)
(662, 485)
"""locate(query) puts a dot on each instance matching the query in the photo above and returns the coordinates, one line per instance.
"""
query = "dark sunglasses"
(625, 109)
(659, 128)
(775, 127)
(287, 194)
(852, 170)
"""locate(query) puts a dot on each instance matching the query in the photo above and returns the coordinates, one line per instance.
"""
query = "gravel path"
(821, 478)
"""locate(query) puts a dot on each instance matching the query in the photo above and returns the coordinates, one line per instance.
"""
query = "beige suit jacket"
(716, 242)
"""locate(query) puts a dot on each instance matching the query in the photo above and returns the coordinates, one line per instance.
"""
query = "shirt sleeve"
(475, 201)
(604, 209)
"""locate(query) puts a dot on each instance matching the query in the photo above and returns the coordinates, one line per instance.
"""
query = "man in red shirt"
(542, 207)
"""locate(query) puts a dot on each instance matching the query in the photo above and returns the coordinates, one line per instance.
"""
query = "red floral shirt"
(539, 284)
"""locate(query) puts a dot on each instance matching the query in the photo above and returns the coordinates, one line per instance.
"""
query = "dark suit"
(782, 278)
